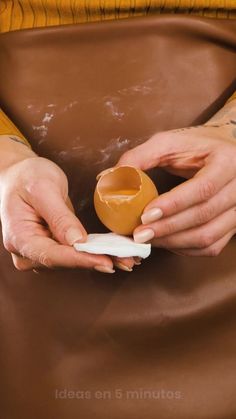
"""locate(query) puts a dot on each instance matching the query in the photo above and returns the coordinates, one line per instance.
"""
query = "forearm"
(13, 150)
(225, 120)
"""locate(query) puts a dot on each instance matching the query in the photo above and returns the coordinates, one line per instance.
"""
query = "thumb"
(62, 222)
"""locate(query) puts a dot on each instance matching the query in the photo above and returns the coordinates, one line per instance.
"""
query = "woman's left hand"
(198, 217)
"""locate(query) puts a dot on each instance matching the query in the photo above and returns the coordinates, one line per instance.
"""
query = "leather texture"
(159, 342)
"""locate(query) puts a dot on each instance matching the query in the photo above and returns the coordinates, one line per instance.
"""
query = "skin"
(198, 217)
(38, 227)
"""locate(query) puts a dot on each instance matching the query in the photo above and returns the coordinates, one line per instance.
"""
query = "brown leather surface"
(160, 341)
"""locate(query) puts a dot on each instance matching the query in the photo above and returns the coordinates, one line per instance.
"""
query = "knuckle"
(7, 243)
(10, 237)
(174, 205)
(20, 265)
(60, 222)
(33, 187)
(207, 189)
(45, 260)
(169, 228)
(41, 257)
(25, 250)
(214, 251)
(165, 243)
(206, 239)
(204, 213)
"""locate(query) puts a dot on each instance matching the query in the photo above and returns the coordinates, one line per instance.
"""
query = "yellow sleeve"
(8, 128)
(232, 97)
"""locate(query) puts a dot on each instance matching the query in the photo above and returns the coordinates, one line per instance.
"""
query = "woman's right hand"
(38, 227)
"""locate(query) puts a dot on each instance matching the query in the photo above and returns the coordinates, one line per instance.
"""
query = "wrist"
(224, 116)
(224, 122)
(13, 150)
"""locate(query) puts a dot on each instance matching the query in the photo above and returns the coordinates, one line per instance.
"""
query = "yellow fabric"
(22, 14)
(233, 97)
(19, 14)
(8, 128)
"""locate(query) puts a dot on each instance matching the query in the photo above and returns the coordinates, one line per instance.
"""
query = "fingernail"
(123, 267)
(104, 269)
(144, 236)
(153, 214)
(73, 235)
(103, 172)
(137, 260)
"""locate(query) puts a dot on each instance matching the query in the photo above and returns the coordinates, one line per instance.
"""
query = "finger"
(48, 253)
(24, 264)
(20, 223)
(168, 149)
(63, 223)
(200, 237)
(192, 217)
(203, 186)
(125, 264)
(210, 251)
(137, 260)
(140, 156)
(69, 204)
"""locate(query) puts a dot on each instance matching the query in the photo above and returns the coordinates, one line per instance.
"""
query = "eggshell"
(114, 245)
(120, 197)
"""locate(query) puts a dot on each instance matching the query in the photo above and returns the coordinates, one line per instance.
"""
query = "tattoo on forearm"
(204, 126)
(17, 140)
(218, 122)
(225, 117)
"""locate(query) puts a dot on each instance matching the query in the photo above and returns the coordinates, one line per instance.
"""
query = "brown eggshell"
(122, 213)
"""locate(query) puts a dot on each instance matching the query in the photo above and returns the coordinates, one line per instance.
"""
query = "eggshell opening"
(120, 197)
(119, 184)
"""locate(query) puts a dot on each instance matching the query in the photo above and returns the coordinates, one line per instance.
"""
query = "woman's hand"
(198, 217)
(38, 223)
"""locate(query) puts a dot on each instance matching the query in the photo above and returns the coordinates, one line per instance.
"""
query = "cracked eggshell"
(120, 197)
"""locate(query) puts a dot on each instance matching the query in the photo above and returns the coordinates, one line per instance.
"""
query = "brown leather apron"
(159, 342)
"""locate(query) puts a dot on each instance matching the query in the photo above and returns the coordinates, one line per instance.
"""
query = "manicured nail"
(104, 269)
(153, 214)
(144, 236)
(73, 235)
(123, 267)
(137, 260)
